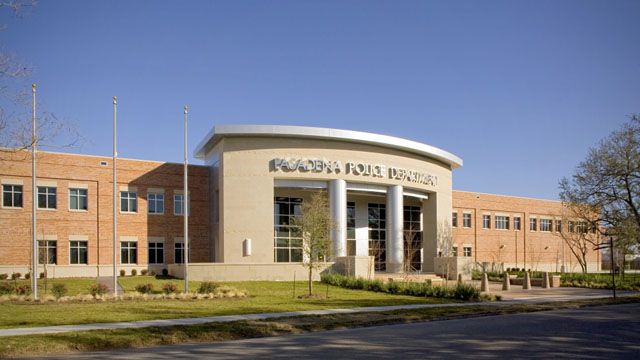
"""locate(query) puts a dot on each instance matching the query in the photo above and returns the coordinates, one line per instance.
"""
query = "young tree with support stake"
(315, 224)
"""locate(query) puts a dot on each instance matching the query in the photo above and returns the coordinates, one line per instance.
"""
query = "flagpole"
(185, 210)
(34, 190)
(115, 203)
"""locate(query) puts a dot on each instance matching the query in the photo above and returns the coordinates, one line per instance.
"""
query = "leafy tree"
(579, 224)
(607, 182)
(315, 224)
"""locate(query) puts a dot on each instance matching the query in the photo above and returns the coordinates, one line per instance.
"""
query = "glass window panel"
(282, 242)
(282, 255)
(296, 255)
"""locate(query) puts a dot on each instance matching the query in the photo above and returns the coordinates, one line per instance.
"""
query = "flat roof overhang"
(219, 132)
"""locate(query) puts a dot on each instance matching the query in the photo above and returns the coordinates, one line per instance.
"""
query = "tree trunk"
(310, 280)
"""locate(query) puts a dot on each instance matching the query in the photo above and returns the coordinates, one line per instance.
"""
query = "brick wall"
(96, 223)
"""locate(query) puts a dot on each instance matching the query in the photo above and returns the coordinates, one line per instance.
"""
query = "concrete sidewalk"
(532, 297)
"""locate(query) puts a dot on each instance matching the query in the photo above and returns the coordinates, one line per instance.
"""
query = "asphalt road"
(611, 332)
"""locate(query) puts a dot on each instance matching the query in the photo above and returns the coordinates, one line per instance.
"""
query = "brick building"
(242, 199)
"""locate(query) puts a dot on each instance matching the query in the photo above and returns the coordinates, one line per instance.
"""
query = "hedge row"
(425, 289)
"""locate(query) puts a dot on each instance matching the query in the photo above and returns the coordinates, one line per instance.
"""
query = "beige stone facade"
(251, 183)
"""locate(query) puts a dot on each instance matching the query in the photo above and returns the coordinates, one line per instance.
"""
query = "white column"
(338, 211)
(395, 225)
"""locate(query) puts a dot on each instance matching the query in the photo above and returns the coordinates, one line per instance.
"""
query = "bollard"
(506, 282)
(545, 281)
(526, 284)
(485, 283)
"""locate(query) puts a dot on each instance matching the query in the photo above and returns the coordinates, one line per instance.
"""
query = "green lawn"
(263, 297)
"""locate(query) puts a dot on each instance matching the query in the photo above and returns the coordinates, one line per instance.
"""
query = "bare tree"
(608, 180)
(579, 231)
(315, 223)
(444, 240)
(412, 247)
(15, 100)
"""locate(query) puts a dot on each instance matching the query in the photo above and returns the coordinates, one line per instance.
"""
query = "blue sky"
(519, 89)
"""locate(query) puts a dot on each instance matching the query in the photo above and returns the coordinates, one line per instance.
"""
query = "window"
(156, 252)
(412, 236)
(582, 227)
(454, 251)
(78, 199)
(377, 219)
(128, 252)
(12, 196)
(287, 238)
(178, 253)
(558, 225)
(466, 220)
(155, 203)
(502, 222)
(351, 229)
(545, 225)
(572, 227)
(78, 252)
(46, 197)
(178, 204)
(486, 221)
(533, 224)
(517, 224)
(128, 201)
(47, 252)
(454, 219)
(466, 251)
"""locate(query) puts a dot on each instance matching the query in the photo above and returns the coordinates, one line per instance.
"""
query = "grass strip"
(97, 340)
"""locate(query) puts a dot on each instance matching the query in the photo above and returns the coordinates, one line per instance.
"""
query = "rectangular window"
(155, 203)
(377, 219)
(412, 236)
(454, 251)
(47, 252)
(12, 196)
(287, 237)
(466, 220)
(46, 197)
(156, 253)
(502, 222)
(558, 225)
(78, 252)
(351, 228)
(128, 201)
(178, 253)
(178, 204)
(572, 226)
(78, 199)
(545, 225)
(486, 221)
(128, 252)
(533, 224)
(517, 223)
(454, 219)
(467, 251)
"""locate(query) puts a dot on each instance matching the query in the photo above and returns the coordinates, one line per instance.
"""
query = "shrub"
(98, 289)
(152, 273)
(465, 292)
(207, 287)
(59, 290)
(169, 288)
(23, 290)
(134, 272)
(122, 272)
(15, 276)
(4, 276)
(27, 276)
(393, 287)
(144, 272)
(6, 288)
(165, 272)
(42, 275)
(144, 288)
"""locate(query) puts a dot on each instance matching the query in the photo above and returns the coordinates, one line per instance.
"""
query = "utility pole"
(115, 203)
(34, 190)
(185, 211)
